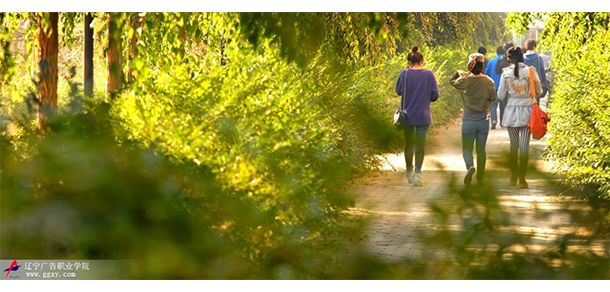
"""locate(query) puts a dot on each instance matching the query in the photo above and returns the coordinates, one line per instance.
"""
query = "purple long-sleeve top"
(420, 91)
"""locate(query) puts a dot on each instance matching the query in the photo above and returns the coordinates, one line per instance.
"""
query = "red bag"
(539, 118)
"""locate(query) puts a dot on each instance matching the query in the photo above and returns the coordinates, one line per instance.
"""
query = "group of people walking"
(503, 80)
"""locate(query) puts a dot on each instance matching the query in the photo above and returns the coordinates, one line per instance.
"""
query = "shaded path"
(399, 213)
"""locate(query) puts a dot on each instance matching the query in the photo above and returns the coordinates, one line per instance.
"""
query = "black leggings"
(415, 143)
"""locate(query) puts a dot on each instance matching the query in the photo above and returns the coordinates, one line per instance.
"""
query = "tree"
(114, 54)
(88, 54)
(48, 42)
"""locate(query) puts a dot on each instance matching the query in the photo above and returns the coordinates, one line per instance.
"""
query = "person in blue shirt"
(490, 70)
(531, 58)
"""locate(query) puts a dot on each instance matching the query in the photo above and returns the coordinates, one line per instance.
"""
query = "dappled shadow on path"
(493, 231)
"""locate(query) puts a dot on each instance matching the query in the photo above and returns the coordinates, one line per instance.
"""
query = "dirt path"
(400, 213)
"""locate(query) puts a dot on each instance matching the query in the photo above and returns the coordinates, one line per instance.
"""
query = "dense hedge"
(580, 140)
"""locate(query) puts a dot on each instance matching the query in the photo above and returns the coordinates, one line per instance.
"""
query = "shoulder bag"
(539, 119)
(400, 117)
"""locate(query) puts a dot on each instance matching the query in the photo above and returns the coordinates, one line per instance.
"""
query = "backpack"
(501, 64)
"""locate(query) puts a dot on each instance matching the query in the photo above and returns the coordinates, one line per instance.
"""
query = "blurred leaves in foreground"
(82, 195)
(224, 160)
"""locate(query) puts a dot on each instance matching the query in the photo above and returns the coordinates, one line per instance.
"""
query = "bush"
(580, 126)
(82, 195)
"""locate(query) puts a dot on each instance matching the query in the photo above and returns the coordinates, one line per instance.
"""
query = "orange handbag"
(539, 119)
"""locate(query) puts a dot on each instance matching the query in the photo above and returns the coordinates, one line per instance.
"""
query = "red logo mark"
(13, 267)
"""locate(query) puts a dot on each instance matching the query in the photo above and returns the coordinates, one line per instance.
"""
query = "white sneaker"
(410, 177)
(417, 181)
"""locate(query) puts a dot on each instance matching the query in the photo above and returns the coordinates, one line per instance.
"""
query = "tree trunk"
(88, 48)
(48, 42)
(113, 53)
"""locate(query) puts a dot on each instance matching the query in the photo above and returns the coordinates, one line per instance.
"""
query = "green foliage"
(298, 34)
(580, 109)
(7, 64)
(224, 158)
(348, 36)
(16, 73)
(260, 146)
(80, 194)
(68, 21)
(447, 28)
(83, 196)
(519, 21)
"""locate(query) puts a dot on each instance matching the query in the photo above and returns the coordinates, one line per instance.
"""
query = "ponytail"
(477, 68)
(516, 71)
(476, 62)
(515, 55)
(415, 57)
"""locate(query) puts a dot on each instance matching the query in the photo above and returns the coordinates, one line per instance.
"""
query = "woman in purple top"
(417, 87)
